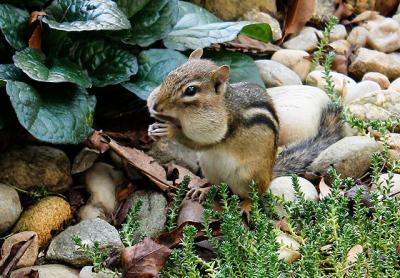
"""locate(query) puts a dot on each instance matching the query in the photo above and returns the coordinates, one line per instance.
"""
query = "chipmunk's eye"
(190, 91)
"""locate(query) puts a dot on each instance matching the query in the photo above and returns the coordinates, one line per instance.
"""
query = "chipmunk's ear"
(196, 54)
(221, 74)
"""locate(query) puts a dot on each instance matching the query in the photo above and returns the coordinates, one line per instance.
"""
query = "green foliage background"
(87, 44)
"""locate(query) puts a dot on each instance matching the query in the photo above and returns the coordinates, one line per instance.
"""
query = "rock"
(30, 255)
(87, 272)
(152, 215)
(275, 74)
(378, 77)
(84, 160)
(397, 18)
(351, 157)
(338, 33)
(283, 187)
(63, 249)
(384, 35)
(360, 89)
(10, 207)
(378, 105)
(358, 36)
(342, 47)
(32, 167)
(323, 10)
(394, 140)
(340, 81)
(395, 183)
(45, 217)
(101, 180)
(296, 60)
(166, 151)
(233, 9)
(306, 40)
(299, 109)
(289, 248)
(395, 85)
(48, 271)
(367, 60)
(253, 15)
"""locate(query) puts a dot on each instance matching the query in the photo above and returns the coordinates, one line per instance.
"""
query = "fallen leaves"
(353, 253)
(35, 40)
(300, 12)
(144, 259)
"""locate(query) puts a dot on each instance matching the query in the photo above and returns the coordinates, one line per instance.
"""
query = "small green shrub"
(130, 227)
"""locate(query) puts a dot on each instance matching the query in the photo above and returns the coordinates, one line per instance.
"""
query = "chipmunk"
(234, 127)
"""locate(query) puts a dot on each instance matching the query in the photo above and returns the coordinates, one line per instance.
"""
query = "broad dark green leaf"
(14, 24)
(258, 31)
(34, 64)
(24, 4)
(242, 66)
(155, 64)
(106, 63)
(153, 22)
(85, 15)
(10, 72)
(58, 115)
(191, 15)
(6, 112)
(131, 7)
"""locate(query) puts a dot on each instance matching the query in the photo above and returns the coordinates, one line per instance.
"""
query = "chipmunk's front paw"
(159, 130)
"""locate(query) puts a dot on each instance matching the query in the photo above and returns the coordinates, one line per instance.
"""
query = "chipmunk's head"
(192, 98)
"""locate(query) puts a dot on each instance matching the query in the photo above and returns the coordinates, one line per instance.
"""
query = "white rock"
(367, 60)
(397, 18)
(10, 207)
(360, 89)
(283, 187)
(338, 33)
(296, 60)
(379, 105)
(48, 271)
(384, 35)
(101, 180)
(341, 46)
(306, 40)
(358, 36)
(340, 81)
(395, 183)
(378, 77)
(289, 248)
(350, 156)
(395, 85)
(299, 110)
(275, 74)
(262, 17)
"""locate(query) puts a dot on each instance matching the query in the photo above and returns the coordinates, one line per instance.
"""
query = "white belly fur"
(218, 165)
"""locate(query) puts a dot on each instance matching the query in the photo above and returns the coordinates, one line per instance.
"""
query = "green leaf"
(85, 15)
(131, 7)
(10, 72)
(242, 66)
(155, 64)
(203, 35)
(58, 115)
(191, 15)
(153, 22)
(106, 63)
(258, 31)
(33, 63)
(14, 24)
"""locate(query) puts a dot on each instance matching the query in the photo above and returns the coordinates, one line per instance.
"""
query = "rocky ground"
(91, 192)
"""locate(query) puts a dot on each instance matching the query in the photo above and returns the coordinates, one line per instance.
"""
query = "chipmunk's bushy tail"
(295, 158)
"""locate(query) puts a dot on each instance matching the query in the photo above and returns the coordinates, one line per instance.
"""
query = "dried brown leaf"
(143, 162)
(181, 172)
(144, 259)
(96, 141)
(17, 251)
(353, 253)
(35, 40)
(28, 273)
(324, 189)
(191, 211)
(300, 12)
(247, 44)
